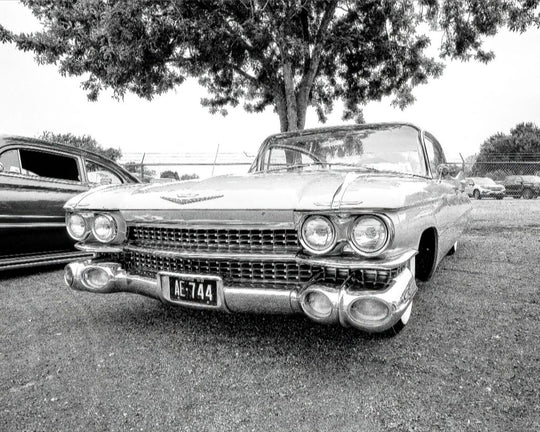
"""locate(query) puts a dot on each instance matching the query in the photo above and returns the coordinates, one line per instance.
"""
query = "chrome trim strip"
(10, 216)
(206, 255)
(39, 260)
(357, 263)
(201, 224)
(33, 225)
(98, 248)
(386, 262)
(337, 199)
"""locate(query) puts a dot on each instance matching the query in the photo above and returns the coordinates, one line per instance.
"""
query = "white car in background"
(484, 187)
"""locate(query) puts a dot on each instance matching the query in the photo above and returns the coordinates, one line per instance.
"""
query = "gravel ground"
(467, 361)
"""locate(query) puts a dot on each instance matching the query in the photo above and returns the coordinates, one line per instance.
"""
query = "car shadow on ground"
(174, 323)
(6, 275)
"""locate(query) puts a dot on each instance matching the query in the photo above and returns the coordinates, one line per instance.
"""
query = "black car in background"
(36, 179)
(526, 186)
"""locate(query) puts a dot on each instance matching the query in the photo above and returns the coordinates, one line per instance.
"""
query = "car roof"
(312, 131)
(49, 145)
(8, 140)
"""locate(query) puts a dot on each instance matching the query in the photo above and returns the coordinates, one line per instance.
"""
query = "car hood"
(492, 187)
(279, 191)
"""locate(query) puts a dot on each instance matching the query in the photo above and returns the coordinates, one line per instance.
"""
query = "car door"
(34, 185)
(513, 186)
(452, 207)
(469, 187)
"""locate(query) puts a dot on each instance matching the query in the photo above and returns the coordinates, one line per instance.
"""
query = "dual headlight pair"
(367, 235)
(104, 227)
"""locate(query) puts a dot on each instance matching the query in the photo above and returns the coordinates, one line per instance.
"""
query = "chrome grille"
(215, 240)
(253, 272)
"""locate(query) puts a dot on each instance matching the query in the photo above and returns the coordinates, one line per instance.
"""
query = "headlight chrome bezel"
(307, 246)
(343, 232)
(386, 222)
(113, 223)
(89, 217)
(87, 229)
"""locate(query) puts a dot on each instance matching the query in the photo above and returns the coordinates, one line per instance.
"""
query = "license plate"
(191, 289)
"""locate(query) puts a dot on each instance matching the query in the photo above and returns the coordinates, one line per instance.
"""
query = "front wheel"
(476, 194)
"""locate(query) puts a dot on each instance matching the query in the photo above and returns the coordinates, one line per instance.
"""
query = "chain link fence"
(151, 165)
(500, 165)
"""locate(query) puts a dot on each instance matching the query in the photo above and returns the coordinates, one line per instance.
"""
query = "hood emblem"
(190, 198)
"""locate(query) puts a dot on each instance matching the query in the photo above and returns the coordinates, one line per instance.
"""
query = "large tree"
(289, 54)
(515, 153)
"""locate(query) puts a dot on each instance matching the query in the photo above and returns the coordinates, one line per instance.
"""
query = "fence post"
(215, 160)
(142, 167)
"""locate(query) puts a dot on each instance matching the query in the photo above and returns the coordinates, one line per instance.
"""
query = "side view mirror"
(1, 167)
(443, 170)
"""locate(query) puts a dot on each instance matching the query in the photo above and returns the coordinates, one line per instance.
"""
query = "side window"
(51, 165)
(10, 161)
(277, 158)
(99, 175)
(434, 152)
(281, 157)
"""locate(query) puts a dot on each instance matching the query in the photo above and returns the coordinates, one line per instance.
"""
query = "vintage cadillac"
(36, 179)
(334, 223)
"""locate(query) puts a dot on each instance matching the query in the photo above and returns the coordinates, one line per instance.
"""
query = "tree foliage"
(288, 54)
(174, 175)
(169, 174)
(85, 142)
(520, 146)
(189, 176)
(143, 173)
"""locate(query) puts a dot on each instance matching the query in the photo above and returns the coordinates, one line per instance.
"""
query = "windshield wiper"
(288, 167)
(358, 167)
(375, 170)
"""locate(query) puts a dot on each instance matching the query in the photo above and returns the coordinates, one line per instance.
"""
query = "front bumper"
(342, 301)
(492, 194)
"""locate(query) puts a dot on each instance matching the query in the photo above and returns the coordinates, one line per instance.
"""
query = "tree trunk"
(292, 116)
(290, 97)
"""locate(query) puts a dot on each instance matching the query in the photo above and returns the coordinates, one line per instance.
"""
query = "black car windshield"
(531, 179)
(372, 148)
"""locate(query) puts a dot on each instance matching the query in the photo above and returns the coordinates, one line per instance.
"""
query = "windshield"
(531, 179)
(373, 148)
(484, 181)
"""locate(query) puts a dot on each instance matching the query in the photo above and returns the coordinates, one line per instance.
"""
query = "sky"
(469, 103)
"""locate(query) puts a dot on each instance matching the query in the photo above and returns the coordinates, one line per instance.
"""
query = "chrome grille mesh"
(253, 272)
(215, 240)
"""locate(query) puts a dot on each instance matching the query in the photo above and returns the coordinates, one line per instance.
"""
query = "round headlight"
(104, 228)
(369, 235)
(318, 234)
(76, 226)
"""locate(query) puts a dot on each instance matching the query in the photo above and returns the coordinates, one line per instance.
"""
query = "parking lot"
(468, 360)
